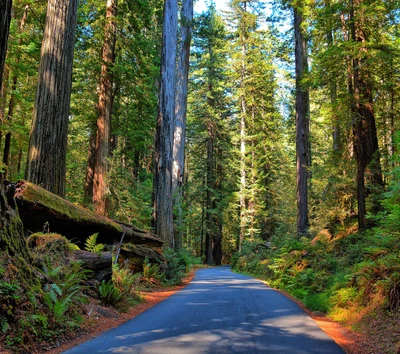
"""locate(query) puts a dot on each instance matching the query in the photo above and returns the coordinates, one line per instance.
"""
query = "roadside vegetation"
(58, 295)
(353, 277)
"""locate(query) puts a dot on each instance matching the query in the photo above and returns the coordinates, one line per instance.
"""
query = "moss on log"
(12, 239)
(37, 207)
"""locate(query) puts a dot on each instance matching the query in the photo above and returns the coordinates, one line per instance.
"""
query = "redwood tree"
(46, 163)
(5, 18)
(162, 201)
(180, 110)
(302, 122)
(102, 149)
(364, 127)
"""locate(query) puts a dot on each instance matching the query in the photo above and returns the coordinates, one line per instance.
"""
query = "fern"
(91, 244)
(150, 271)
(4, 326)
(108, 293)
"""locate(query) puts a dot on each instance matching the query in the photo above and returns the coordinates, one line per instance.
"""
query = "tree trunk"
(90, 166)
(364, 128)
(11, 104)
(162, 201)
(209, 200)
(178, 169)
(12, 238)
(243, 112)
(302, 125)
(336, 144)
(100, 185)
(46, 163)
(5, 18)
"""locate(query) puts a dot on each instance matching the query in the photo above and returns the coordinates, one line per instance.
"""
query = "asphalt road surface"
(218, 312)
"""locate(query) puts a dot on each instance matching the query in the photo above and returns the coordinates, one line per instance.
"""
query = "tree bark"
(5, 18)
(100, 185)
(11, 104)
(209, 200)
(89, 178)
(336, 144)
(364, 127)
(178, 169)
(162, 201)
(302, 124)
(46, 163)
(99, 263)
(12, 238)
(243, 113)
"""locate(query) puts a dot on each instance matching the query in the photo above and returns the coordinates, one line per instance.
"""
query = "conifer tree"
(162, 205)
(46, 164)
(105, 106)
(5, 18)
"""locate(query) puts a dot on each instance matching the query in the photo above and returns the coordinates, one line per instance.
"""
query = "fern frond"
(91, 244)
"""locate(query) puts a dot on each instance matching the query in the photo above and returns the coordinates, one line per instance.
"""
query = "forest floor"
(375, 337)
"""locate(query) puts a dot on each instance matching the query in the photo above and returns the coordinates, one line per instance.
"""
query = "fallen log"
(38, 208)
(99, 263)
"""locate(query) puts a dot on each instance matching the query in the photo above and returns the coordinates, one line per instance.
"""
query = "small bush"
(108, 293)
(178, 264)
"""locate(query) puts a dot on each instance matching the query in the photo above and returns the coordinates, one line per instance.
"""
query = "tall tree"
(11, 104)
(102, 150)
(46, 163)
(209, 132)
(5, 18)
(181, 94)
(162, 205)
(302, 120)
(364, 126)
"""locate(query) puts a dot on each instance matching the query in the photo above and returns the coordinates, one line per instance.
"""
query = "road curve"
(218, 312)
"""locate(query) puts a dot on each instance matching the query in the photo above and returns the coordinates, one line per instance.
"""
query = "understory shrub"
(340, 275)
(178, 264)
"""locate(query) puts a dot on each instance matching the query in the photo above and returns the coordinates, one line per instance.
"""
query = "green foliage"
(108, 293)
(64, 291)
(4, 326)
(91, 244)
(151, 271)
(178, 264)
(347, 276)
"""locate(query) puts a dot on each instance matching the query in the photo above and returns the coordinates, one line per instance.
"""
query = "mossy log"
(38, 207)
(99, 263)
(135, 255)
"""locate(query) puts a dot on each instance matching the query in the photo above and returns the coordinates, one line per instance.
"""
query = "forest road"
(218, 312)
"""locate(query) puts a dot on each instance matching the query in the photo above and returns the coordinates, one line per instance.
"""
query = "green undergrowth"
(45, 299)
(349, 276)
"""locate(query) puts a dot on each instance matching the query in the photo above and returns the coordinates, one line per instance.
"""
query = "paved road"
(219, 312)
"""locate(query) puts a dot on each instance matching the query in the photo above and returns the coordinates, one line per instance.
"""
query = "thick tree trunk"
(162, 201)
(46, 164)
(5, 18)
(364, 128)
(100, 185)
(302, 125)
(178, 169)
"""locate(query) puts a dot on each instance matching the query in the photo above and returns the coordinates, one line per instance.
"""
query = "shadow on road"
(219, 312)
